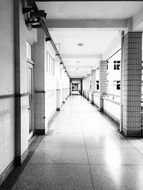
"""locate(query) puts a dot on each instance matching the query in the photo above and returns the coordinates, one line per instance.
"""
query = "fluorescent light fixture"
(80, 44)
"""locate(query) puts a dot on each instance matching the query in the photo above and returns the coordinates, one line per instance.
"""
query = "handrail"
(107, 94)
(113, 101)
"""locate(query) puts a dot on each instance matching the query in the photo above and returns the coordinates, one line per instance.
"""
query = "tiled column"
(88, 86)
(131, 84)
(102, 81)
(93, 84)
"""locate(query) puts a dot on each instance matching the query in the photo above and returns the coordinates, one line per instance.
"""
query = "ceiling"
(97, 10)
(95, 42)
(80, 60)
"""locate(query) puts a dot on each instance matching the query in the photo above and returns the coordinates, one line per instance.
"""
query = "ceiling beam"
(87, 23)
(70, 0)
(137, 21)
(82, 67)
(76, 56)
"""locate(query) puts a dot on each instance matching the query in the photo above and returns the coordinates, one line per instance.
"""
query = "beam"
(114, 46)
(83, 67)
(71, 0)
(137, 21)
(77, 56)
(87, 23)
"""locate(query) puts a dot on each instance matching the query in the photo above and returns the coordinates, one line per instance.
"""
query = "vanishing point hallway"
(83, 151)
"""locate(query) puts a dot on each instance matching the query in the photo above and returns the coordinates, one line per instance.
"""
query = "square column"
(93, 83)
(131, 84)
(41, 121)
(102, 81)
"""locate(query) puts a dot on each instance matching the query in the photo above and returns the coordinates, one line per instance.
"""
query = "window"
(50, 64)
(28, 48)
(107, 65)
(116, 65)
(107, 83)
(97, 84)
(90, 85)
(117, 84)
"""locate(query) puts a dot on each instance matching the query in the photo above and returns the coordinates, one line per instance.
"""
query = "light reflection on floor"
(84, 152)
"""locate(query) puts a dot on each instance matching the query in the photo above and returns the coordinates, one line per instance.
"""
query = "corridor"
(83, 151)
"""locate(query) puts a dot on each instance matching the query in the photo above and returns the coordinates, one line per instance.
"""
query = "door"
(31, 99)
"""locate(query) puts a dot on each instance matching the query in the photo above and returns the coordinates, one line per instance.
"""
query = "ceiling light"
(80, 44)
(77, 61)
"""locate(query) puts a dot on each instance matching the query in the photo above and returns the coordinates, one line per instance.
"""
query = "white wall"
(113, 74)
(7, 90)
(7, 151)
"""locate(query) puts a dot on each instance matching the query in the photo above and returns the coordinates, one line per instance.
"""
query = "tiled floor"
(83, 152)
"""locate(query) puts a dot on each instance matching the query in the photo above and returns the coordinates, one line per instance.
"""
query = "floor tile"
(117, 178)
(114, 155)
(54, 177)
(60, 155)
(63, 141)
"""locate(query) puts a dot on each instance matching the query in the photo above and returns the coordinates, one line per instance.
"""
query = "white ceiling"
(96, 41)
(89, 10)
(81, 66)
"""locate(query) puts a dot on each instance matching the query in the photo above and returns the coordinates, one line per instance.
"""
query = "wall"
(113, 75)
(8, 149)
(7, 138)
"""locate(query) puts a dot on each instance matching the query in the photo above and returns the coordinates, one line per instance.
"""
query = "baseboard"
(96, 106)
(115, 120)
(132, 133)
(53, 117)
(20, 159)
(40, 131)
(58, 109)
(7, 171)
(31, 140)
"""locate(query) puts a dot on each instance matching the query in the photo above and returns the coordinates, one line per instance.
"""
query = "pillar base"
(132, 133)
(58, 109)
(40, 132)
(92, 102)
(20, 159)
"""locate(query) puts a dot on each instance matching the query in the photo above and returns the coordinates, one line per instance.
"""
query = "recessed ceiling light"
(77, 61)
(80, 44)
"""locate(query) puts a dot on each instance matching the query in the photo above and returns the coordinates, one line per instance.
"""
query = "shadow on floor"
(16, 172)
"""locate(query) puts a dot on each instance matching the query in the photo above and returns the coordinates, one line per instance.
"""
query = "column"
(21, 95)
(93, 83)
(88, 86)
(41, 121)
(131, 84)
(102, 81)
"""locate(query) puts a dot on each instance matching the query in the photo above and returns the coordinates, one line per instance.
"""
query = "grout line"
(135, 148)
(87, 158)
(79, 164)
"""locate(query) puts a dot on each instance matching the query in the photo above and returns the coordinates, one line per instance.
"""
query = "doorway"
(76, 86)
(30, 98)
